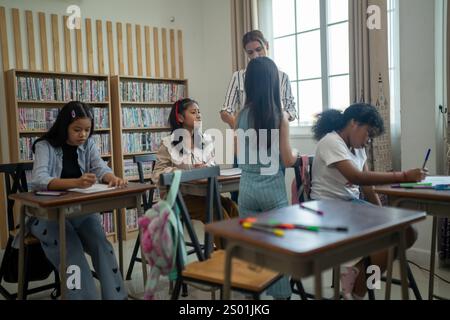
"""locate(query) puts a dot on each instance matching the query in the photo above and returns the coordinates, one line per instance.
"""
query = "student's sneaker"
(348, 278)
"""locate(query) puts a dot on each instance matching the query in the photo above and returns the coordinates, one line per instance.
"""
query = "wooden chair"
(209, 269)
(147, 201)
(297, 285)
(15, 181)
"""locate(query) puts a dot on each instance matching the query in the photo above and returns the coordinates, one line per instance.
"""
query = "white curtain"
(369, 71)
(244, 18)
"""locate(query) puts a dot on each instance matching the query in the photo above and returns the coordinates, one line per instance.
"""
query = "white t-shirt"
(327, 181)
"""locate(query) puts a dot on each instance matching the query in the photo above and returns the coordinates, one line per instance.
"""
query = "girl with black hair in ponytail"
(340, 169)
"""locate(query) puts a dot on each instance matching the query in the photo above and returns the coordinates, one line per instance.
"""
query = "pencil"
(319, 212)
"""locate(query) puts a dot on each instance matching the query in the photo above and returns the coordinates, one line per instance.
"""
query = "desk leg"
(62, 253)
(403, 266)
(432, 259)
(21, 279)
(228, 270)
(140, 213)
(120, 239)
(318, 281)
(390, 263)
(336, 282)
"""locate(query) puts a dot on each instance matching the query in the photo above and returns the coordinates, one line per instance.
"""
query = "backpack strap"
(306, 177)
(172, 195)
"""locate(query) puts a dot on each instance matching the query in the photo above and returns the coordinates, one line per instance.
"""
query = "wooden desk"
(303, 253)
(71, 205)
(199, 188)
(435, 203)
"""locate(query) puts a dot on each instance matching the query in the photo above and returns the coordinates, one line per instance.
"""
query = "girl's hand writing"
(415, 175)
(87, 180)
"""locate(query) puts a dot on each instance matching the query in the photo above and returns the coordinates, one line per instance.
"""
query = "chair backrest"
(299, 178)
(212, 200)
(147, 197)
(15, 182)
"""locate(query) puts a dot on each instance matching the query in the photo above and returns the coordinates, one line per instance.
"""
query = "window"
(394, 80)
(310, 44)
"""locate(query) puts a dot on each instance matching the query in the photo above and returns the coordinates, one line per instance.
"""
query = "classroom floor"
(136, 289)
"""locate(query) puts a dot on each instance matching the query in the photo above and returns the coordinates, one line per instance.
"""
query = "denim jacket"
(48, 162)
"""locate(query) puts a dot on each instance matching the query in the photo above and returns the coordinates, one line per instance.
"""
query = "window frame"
(299, 128)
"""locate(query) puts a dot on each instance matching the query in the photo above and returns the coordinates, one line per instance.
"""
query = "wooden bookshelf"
(19, 111)
(145, 104)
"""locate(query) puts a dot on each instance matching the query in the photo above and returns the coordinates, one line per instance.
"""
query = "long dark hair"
(179, 108)
(262, 90)
(335, 120)
(57, 135)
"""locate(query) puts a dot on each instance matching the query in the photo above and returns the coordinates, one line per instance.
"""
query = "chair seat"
(245, 276)
(29, 239)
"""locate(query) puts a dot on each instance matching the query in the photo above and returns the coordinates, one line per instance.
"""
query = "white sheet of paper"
(437, 180)
(230, 172)
(93, 189)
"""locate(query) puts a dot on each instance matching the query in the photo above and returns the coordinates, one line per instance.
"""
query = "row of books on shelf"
(51, 89)
(133, 118)
(26, 143)
(33, 119)
(103, 143)
(108, 222)
(138, 142)
(130, 169)
(138, 91)
(101, 117)
(132, 219)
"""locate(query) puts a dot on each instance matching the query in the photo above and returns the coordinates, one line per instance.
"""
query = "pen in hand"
(426, 159)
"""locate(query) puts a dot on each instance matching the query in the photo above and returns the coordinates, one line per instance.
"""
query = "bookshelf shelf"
(58, 103)
(152, 104)
(33, 101)
(140, 108)
(143, 129)
(138, 153)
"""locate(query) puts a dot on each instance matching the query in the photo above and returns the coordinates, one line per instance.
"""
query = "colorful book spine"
(57, 89)
(152, 92)
(145, 118)
(131, 219)
(37, 119)
(142, 142)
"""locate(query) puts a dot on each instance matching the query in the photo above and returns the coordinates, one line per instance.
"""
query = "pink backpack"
(301, 193)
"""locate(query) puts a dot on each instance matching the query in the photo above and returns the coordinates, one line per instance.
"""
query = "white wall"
(206, 41)
(417, 94)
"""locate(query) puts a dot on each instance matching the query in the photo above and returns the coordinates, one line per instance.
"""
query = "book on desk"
(94, 188)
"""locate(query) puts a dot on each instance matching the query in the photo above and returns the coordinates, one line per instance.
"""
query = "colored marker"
(311, 228)
(319, 212)
(267, 229)
(290, 226)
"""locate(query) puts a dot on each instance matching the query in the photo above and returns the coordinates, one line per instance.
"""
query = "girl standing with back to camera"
(260, 192)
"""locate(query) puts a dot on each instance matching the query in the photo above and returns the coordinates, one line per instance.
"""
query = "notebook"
(437, 183)
(93, 189)
(230, 172)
